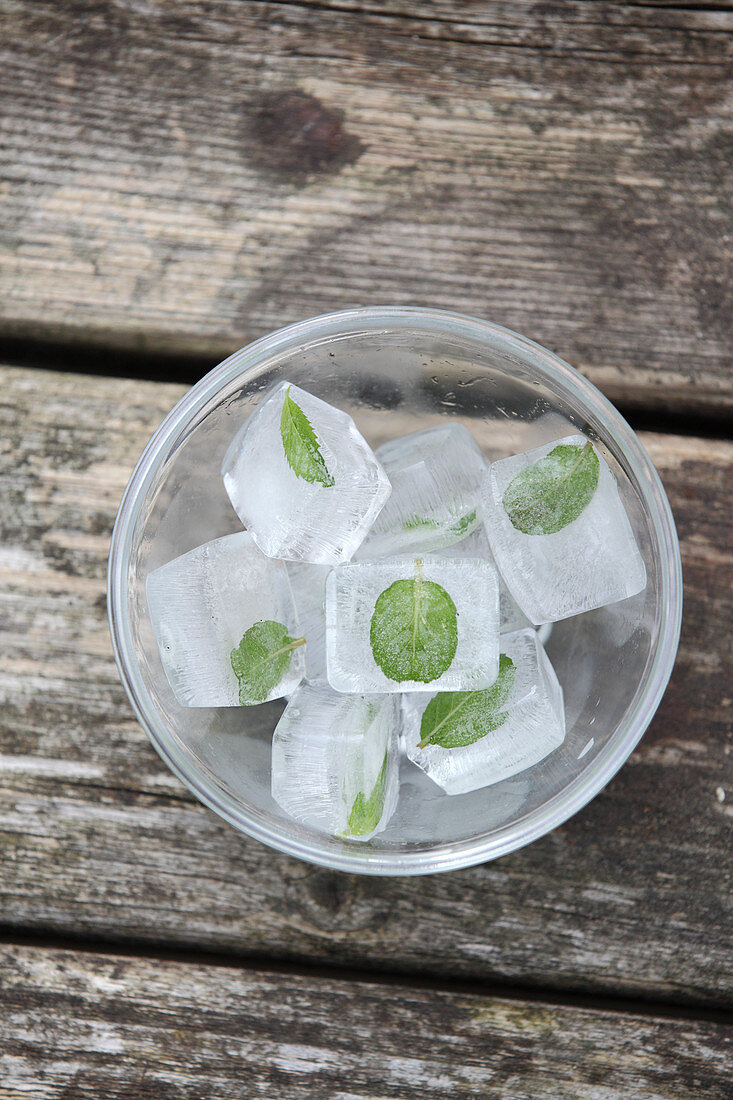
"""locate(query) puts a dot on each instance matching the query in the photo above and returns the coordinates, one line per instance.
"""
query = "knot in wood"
(292, 134)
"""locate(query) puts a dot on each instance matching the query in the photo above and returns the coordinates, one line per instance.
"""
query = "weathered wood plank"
(81, 1025)
(632, 895)
(179, 176)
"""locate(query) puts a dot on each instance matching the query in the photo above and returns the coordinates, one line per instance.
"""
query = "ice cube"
(533, 725)
(308, 584)
(592, 561)
(413, 624)
(335, 761)
(436, 477)
(303, 480)
(202, 603)
(476, 545)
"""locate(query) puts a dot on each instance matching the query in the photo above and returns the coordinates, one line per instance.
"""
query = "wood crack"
(519, 993)
(712, 422)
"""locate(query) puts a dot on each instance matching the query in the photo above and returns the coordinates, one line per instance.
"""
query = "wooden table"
(177, 177)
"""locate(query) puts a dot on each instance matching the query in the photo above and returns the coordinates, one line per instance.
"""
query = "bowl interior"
(396, 372)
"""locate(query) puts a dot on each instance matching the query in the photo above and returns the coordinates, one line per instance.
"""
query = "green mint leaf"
(261, 660)
(460, 527)
(454, 719)
(548, 496)
(465, 524)
(366, 812)
(414, 630)
(300, 444)
(413, 522)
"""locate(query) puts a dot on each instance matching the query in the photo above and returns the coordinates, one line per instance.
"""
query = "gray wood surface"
(87, 1026)
(97, 838)
(183, 175)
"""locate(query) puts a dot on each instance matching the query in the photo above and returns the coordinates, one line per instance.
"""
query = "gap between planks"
(508, 991)
(187, 369)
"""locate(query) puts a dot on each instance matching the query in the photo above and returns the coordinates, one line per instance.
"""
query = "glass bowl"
(395, 371)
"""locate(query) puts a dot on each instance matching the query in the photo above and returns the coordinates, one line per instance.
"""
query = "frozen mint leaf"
(454, 719)
(414, 630)
(460, 527)
(300, 444)
(366, 812)
(465, 524)
(413, 522)
(261, 660)
(548, 496)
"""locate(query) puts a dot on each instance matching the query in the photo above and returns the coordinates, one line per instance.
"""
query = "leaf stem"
(292, 644)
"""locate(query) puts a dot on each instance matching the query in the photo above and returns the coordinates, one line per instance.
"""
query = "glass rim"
(456, 854)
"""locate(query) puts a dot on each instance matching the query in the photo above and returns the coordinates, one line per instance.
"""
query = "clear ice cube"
(476, 545)
(308, 584)
(351, 594)
(436, 477)
(202, 603)
(290, 516)
(335, 761)
(591, 562)
(534, 725)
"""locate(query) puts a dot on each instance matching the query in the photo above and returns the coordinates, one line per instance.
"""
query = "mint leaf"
(413, 522)
(454, 719)
(261, 660)
(300, 444)
(461, 527)
(465, 523)
(548, 496)
(366, 812)
(414, 630)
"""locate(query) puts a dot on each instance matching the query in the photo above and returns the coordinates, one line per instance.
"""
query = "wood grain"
(98, 839)
(184, 175)
(90, 1026)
